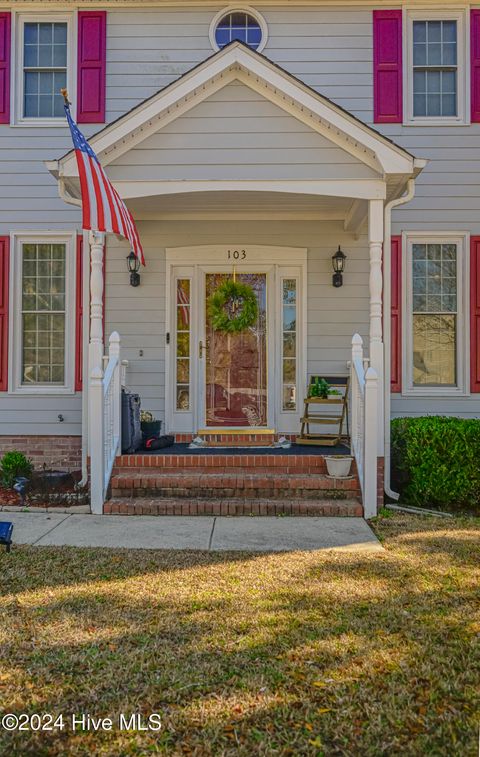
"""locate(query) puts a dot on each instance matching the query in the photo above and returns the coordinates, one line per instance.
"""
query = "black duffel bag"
(159, 442)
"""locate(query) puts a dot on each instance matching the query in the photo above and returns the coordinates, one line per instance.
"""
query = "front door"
(236, 364)
(254, 378)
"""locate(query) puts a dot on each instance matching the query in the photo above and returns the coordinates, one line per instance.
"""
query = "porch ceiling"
(241, 205)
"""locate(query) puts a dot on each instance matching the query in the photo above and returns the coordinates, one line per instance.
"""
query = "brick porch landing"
(228, 482)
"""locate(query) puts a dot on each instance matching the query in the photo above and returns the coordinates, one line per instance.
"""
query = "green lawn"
(287, 654)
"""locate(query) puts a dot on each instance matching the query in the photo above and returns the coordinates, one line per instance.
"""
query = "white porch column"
(95, 346)
(95, 373)
(375, 243)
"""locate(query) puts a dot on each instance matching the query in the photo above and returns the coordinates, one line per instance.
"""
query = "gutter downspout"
(387, 302)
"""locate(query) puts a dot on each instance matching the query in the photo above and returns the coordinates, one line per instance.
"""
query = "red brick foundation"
(58, 452)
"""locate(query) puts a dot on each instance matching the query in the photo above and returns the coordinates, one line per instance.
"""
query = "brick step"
(305, 507)
(221, 463)
(250, 485)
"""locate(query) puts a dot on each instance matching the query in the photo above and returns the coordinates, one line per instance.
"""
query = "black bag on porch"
(159, 442)
(132, 437)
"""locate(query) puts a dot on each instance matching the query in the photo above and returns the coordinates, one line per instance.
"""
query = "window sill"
(437, 122)
(434, 393)
(41, 122)
(46, 390)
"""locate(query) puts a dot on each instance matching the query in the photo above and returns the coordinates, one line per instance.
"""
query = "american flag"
(103, 208)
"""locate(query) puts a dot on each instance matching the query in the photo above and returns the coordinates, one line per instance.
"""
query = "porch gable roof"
(237, 62)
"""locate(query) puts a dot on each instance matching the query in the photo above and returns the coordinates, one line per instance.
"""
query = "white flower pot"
(338, 466)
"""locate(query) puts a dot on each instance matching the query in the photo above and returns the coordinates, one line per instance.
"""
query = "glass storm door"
(236, 380)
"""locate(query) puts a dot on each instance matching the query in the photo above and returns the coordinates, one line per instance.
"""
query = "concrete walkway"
(252, 534)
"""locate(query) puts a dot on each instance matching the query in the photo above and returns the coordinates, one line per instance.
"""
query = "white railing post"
(357, 355)
(114, 354)
(97, 431)
(370, 444)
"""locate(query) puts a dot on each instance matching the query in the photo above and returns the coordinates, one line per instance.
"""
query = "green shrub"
(14, 464)
(436, 462)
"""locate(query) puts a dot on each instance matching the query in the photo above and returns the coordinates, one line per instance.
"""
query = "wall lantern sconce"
(338, 262)
(133, 266)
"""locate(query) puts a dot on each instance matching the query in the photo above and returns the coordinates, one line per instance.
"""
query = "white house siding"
(330, 49)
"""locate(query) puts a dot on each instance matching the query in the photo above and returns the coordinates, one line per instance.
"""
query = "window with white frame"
(436, 71)
(243, 24)
(44, 58)
(435, 358)
(43, 298)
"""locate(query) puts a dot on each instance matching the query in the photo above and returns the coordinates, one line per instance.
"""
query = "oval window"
(239, 25)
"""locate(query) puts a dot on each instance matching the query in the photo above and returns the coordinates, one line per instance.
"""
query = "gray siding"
(237, 134)
(330, 49)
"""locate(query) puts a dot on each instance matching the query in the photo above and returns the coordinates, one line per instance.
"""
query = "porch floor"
(296, 449)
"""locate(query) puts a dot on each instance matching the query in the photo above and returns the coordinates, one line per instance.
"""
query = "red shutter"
(92, 27)
(79, 315)
(475, 314)
(4, 285)
(475, 64)
(5, 68)
(387, 67)
(396, 315)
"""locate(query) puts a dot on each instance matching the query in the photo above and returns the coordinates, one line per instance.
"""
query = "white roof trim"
(238, 62)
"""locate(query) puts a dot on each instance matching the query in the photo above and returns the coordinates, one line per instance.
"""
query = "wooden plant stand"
(313, 414)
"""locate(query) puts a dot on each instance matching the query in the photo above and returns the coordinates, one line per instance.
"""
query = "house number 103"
(237, 254)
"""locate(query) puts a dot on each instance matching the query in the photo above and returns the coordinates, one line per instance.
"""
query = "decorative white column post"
(96, 429)
(375, 243)
(95, 347)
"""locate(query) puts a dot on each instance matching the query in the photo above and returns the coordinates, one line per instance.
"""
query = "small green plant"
(12, 465)
(146, 416)
(321, 388)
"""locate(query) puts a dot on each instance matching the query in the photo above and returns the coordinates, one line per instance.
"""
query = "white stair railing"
(104, 422)
(363, 403)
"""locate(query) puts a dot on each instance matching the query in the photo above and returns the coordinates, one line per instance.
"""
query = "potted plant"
(338, 466)
(321, 389)
(150, 426)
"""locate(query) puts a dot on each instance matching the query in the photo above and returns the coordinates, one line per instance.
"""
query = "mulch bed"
(41, 495)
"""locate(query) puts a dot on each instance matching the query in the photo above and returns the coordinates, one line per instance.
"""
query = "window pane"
(30, 34)
(45, 62)
(289, 318)
(289, 344)
(434, 350)
(434, 49)
(238, 26)
(43, 314)
(419, 31)
(183, 345)
(434, 314)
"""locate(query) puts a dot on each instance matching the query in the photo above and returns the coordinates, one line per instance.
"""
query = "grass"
(287, 654)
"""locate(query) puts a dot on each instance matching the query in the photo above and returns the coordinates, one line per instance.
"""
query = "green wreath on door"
(233, 307)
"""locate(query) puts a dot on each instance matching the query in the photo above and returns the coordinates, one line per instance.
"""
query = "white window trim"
(461, 239)
(19, 20)
(18, 238)
(463, 56)
(238, 9)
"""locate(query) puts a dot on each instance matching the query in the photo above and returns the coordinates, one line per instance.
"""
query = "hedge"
(436, 462)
